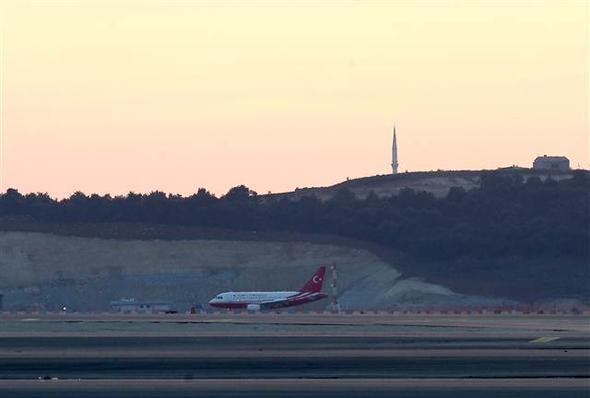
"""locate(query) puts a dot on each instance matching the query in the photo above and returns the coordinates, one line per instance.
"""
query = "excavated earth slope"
(47, 271)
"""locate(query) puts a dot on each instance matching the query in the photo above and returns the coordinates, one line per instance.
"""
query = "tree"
(240, 193)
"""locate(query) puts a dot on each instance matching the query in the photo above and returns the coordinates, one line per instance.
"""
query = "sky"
(118, 96)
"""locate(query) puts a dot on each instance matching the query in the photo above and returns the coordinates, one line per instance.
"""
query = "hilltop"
(437, 183)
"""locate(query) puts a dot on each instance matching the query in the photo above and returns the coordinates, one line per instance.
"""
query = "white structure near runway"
(131, 305)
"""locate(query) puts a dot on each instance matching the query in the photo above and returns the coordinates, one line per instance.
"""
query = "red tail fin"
(316, 281)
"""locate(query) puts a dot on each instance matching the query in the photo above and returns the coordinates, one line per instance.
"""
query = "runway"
(290, 388)
(294, 356)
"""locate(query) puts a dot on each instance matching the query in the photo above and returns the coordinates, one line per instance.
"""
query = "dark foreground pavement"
(338, 361)
(290, 388)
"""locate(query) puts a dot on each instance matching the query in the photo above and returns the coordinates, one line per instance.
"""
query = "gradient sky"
(113, 96)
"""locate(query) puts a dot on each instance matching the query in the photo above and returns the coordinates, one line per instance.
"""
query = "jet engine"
(253, 307)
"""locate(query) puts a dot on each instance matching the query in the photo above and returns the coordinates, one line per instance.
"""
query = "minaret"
(394, 162)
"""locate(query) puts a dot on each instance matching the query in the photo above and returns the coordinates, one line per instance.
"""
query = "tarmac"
(294, 355)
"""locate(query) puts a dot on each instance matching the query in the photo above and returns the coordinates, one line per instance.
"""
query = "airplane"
(255, 301)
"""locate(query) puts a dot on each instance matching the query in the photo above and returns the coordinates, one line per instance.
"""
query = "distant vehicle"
(254, 301)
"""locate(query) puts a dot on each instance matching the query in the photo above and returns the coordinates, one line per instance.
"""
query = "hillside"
(47, 271)
(515, 235)
(437, 183)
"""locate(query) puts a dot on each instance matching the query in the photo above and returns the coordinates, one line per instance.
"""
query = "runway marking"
(543, 340)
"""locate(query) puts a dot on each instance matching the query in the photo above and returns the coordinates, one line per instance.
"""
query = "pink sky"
(114, 97)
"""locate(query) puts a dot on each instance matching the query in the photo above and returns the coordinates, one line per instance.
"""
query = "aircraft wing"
(278, 303)
(299, 298)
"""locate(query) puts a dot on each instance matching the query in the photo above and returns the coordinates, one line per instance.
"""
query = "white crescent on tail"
(317, 279)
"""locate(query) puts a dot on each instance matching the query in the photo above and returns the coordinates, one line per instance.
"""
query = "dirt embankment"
(46, 270)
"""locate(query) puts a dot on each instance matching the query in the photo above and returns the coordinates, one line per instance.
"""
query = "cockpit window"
(219, 297)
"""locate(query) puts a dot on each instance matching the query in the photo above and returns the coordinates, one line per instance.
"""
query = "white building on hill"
(545, 162)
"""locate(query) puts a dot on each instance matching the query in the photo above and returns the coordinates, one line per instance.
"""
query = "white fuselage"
(243, 299)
